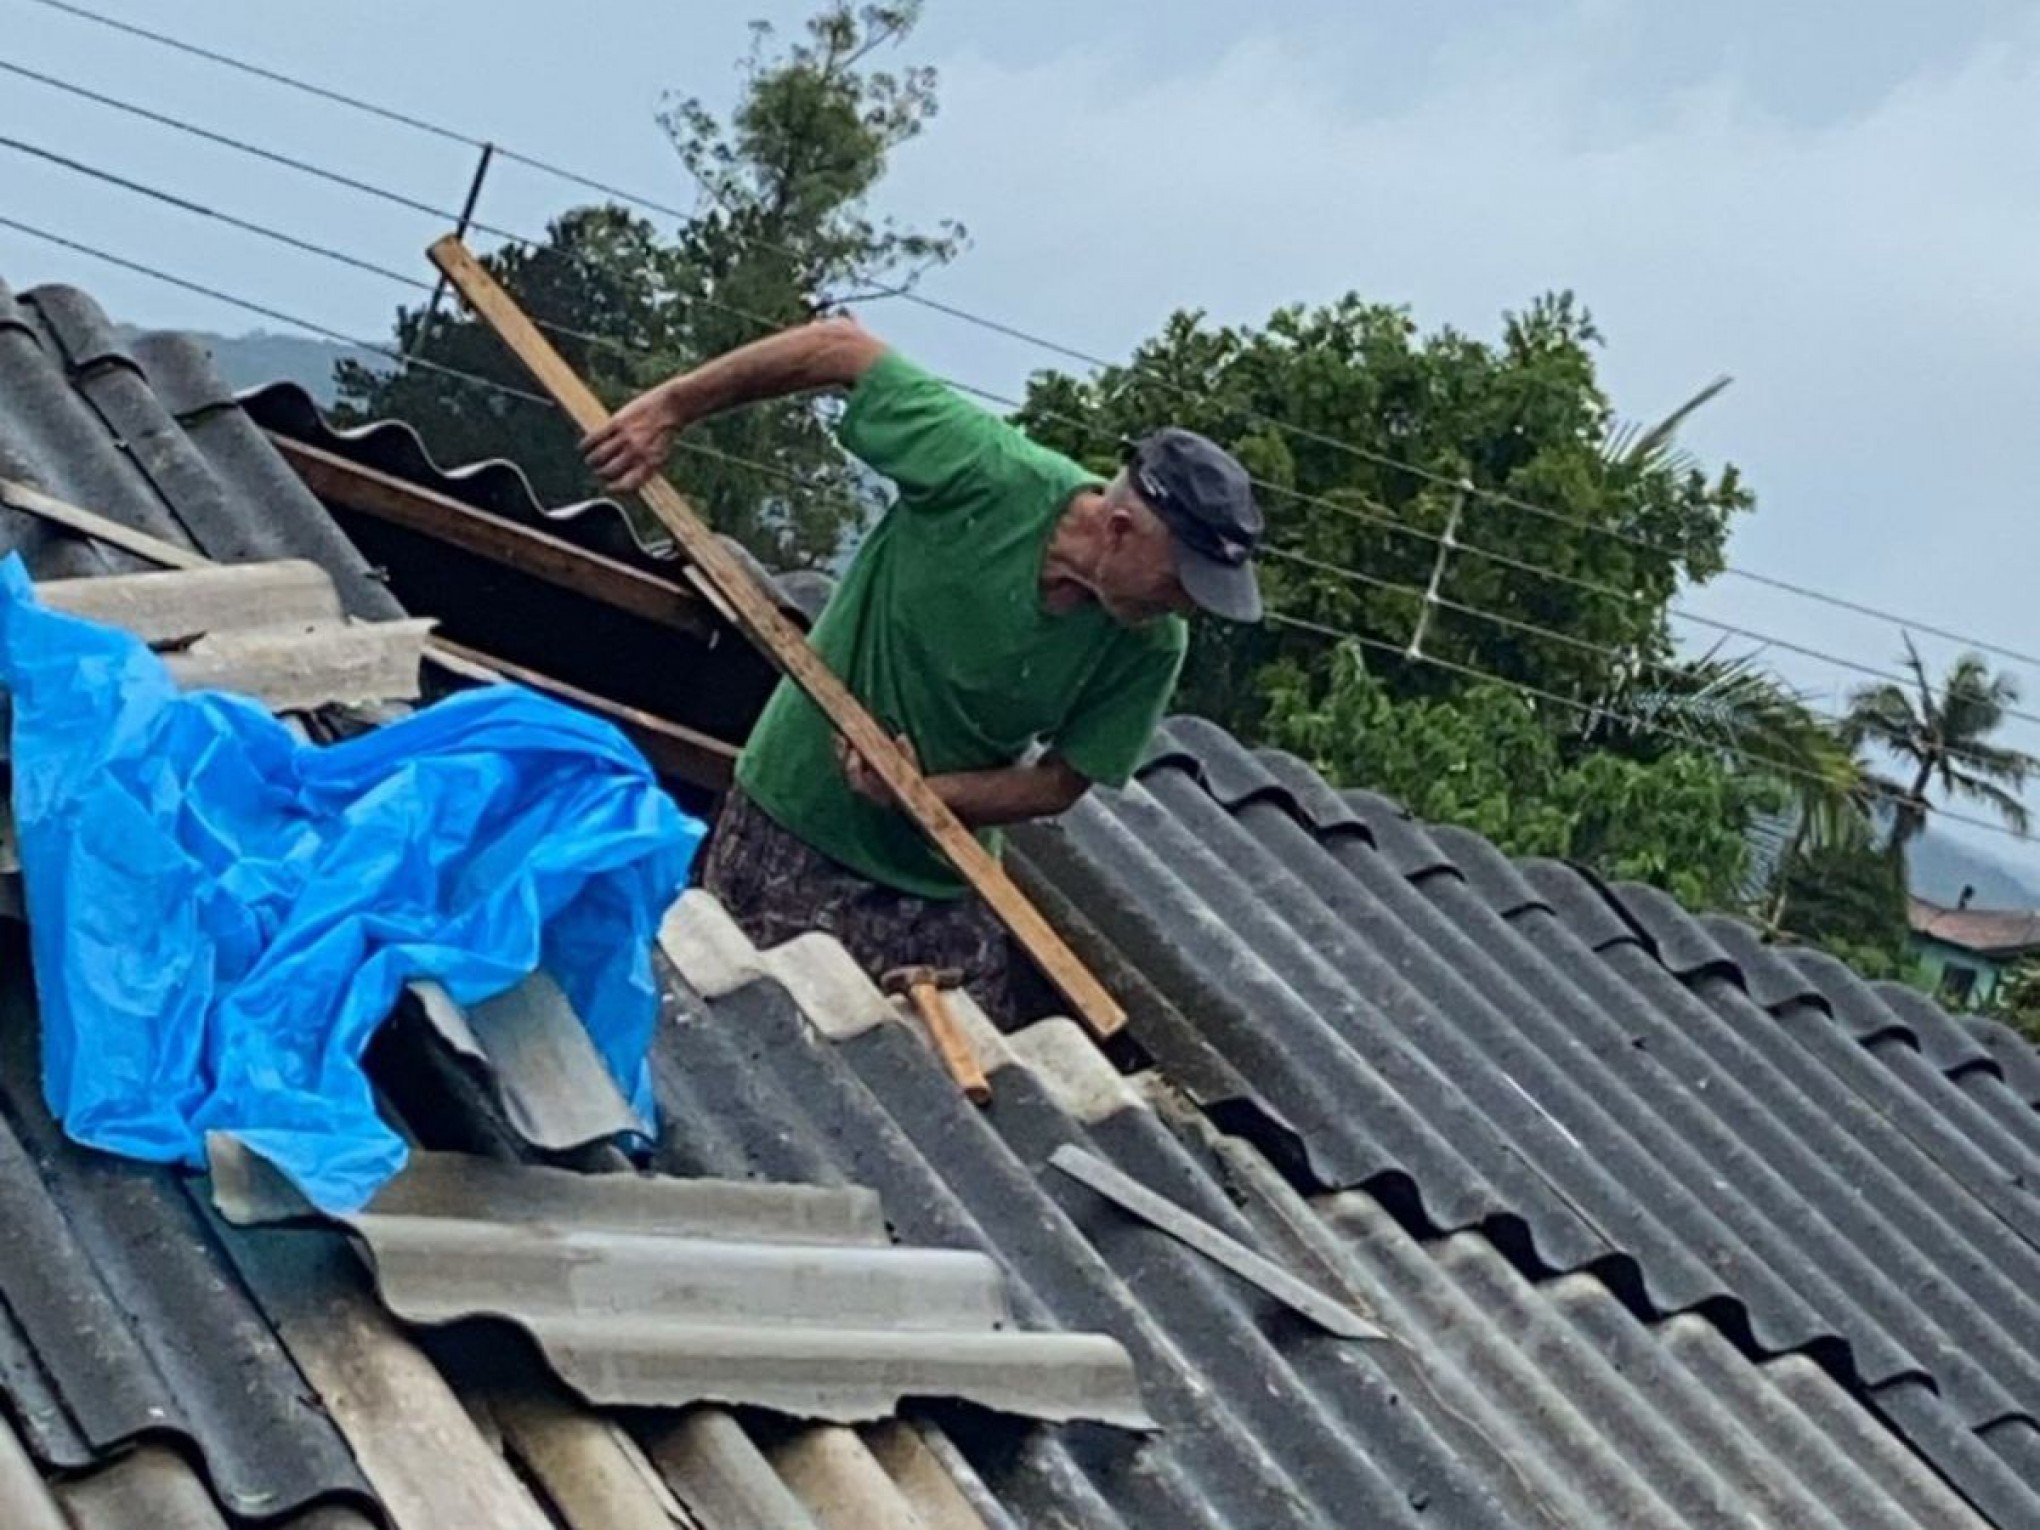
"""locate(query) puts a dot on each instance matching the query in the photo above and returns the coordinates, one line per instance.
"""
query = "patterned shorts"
(776, 887)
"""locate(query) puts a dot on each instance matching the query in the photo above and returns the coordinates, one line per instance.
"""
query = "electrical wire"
(1377, 514)
(1492, 495)
(262, 310)
(1279, 617)
(274, 76)
(1607, 651)
(293, 241)
(1629, 719)
(1380, 516)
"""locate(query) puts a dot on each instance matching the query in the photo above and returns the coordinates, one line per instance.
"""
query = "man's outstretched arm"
(988, 799)
(983, 799)
(830, 353)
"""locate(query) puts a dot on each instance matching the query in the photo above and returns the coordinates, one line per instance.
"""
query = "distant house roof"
(1995, 932)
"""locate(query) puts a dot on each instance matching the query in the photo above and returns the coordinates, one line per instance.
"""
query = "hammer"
(925, 988)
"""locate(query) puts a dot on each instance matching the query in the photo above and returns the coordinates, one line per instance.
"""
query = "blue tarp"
(222, 915)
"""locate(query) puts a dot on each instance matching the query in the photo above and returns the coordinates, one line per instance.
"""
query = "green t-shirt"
(938, 628)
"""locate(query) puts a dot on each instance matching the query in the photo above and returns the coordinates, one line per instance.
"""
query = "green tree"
(1940, 736)
(1732, 706)
(1377, 426)
(1488, 758)
(2017, 1000)
(783, 230)
(1849, 899)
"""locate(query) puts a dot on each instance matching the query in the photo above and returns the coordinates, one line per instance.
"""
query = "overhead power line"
(1610, 652)
(1492, 495)
(1593, 711)
(1282, 618)
(1373, 513)
(223, 140)
(274, 76)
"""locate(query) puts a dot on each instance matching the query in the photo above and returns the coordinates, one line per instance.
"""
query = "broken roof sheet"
(712, 682)
(161, 1367)
(619, 528)
(657, 1292)
(1603, 1081)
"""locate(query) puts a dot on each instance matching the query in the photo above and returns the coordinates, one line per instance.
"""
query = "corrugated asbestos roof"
(160, 1368)
(1595, 1079)
(147, 433)
(1670, 1230)
(1502, 1402)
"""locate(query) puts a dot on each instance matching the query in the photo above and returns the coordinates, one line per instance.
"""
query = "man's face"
(1135, 580)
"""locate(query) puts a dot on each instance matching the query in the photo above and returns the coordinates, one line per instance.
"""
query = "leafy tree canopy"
(783, 229)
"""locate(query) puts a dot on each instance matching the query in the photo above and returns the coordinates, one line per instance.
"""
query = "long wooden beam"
(88, 523)
(678, 751)
(369, 491)
(761, 620)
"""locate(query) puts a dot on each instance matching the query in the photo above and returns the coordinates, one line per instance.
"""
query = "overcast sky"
(1832, 202)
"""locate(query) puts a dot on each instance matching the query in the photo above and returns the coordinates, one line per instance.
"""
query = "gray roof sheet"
(146, 432)
(1595, 1078)
(1503, 1401)
(658, 1292)
(1671, 1229)
(121, 1316)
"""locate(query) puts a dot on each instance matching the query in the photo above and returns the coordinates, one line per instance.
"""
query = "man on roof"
(1015, 621)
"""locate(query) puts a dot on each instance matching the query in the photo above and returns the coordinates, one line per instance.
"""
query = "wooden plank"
(86, 523)
(678, 751)
(161, 607)
(367, 491)
(761, 620)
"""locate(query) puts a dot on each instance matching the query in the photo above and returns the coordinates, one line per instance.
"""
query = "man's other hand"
(863, 779)
(633, 446)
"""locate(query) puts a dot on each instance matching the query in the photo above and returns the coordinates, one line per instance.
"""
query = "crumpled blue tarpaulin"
(221, 915)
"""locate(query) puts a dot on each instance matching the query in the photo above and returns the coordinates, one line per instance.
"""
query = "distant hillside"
(1939, 867)
(248, 361)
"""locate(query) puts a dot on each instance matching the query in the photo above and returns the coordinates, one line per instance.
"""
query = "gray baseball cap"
(1203, 495)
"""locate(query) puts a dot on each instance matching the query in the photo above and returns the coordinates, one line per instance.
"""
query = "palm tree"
(1733, 704)
(1942, 736)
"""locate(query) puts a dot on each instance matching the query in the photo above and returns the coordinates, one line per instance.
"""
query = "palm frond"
(1633, 445)
(2004, 803)
(1880, 714)
(1924, 686)
(1973, 700)
(1735, 704)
